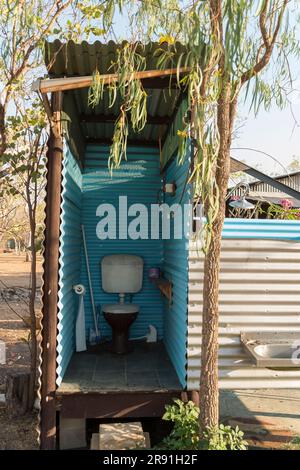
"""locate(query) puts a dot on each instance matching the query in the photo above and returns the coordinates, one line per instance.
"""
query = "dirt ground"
(17, 432)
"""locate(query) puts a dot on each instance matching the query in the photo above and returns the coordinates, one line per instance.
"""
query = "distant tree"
(294, 165)
(13, 219)
(24, 26)
(24, 161)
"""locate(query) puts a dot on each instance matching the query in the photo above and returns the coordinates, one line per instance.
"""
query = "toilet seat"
(120, 308)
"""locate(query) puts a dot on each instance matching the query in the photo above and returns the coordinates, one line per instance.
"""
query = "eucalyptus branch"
(263, 62)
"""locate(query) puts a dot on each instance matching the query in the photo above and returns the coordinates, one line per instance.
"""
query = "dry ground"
(17, 432)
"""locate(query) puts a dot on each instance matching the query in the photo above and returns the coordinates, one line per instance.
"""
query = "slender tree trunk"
(209, 393)
(3, 137)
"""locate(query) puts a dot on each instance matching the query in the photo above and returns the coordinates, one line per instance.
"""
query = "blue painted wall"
(138, 178)
(176, 269)
(70, 249)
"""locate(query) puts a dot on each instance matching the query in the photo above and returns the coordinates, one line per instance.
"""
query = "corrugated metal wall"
(293, 181)
(259, 291)
(69, 260)
(262, 228)
(176, 269)
(138, 178)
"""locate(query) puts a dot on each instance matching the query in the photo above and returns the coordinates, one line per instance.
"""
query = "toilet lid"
(120, 308)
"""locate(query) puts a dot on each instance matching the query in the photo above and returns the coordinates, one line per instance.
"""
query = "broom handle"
(90, 280)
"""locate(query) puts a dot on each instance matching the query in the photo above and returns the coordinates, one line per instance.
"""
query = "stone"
(121, 436)
(95, 442)
(72, 434)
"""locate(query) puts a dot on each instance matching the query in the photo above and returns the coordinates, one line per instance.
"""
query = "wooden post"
(50, 287)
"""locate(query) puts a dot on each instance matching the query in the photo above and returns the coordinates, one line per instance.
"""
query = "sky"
(273, 132)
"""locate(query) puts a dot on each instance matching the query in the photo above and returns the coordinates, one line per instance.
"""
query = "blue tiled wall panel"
(138, 178)
(70, 249)
(176, 269)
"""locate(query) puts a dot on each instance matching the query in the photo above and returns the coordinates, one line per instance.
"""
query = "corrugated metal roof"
(71, 59)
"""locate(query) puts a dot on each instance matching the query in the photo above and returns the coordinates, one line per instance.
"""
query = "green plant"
(294, 444)
(223, 438)
(186, 433)
(284, 211)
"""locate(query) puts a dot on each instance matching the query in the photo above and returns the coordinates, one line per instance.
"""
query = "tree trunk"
(209, 393)
(18, 390)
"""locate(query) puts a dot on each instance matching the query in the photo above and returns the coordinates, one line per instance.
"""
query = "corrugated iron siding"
(293, 181)
(259, 291)
(176, 269)
(138, 178)
(262, 228)
(70, 248)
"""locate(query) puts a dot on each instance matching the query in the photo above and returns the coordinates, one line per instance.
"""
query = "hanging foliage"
(226, 43)
(133, 109)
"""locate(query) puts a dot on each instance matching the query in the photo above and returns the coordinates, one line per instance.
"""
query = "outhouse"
(260, 267)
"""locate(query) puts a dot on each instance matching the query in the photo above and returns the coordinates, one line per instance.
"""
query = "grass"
(294, 444)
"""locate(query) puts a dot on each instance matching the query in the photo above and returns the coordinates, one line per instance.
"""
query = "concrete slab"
(121, 436)
(268, 417)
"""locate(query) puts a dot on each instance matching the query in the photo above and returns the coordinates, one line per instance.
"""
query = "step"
(122, 436)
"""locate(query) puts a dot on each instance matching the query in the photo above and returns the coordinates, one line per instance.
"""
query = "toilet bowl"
(120, 317)
(121, 274)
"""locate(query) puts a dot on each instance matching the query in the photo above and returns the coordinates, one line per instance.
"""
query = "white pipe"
(90, 281)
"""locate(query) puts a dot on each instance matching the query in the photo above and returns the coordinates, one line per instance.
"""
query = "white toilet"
(121, 274)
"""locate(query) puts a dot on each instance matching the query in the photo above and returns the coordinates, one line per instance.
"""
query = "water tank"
(122, 274)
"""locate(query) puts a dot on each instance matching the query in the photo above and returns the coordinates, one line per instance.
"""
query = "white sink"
(275, 351)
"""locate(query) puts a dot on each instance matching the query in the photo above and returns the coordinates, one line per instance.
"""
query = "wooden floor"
(146, 368)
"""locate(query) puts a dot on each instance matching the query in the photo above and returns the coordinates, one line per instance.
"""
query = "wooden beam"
(50, 286)
(111, 118)
(72, 83)
(133, 142)
(115, 404)
(160, 83)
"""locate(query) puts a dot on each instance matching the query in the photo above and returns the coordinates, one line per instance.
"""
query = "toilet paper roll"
(79, 289)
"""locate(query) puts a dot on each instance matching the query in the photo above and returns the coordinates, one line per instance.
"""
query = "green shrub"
(223, 438)
(186, 432)
(294, 444)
